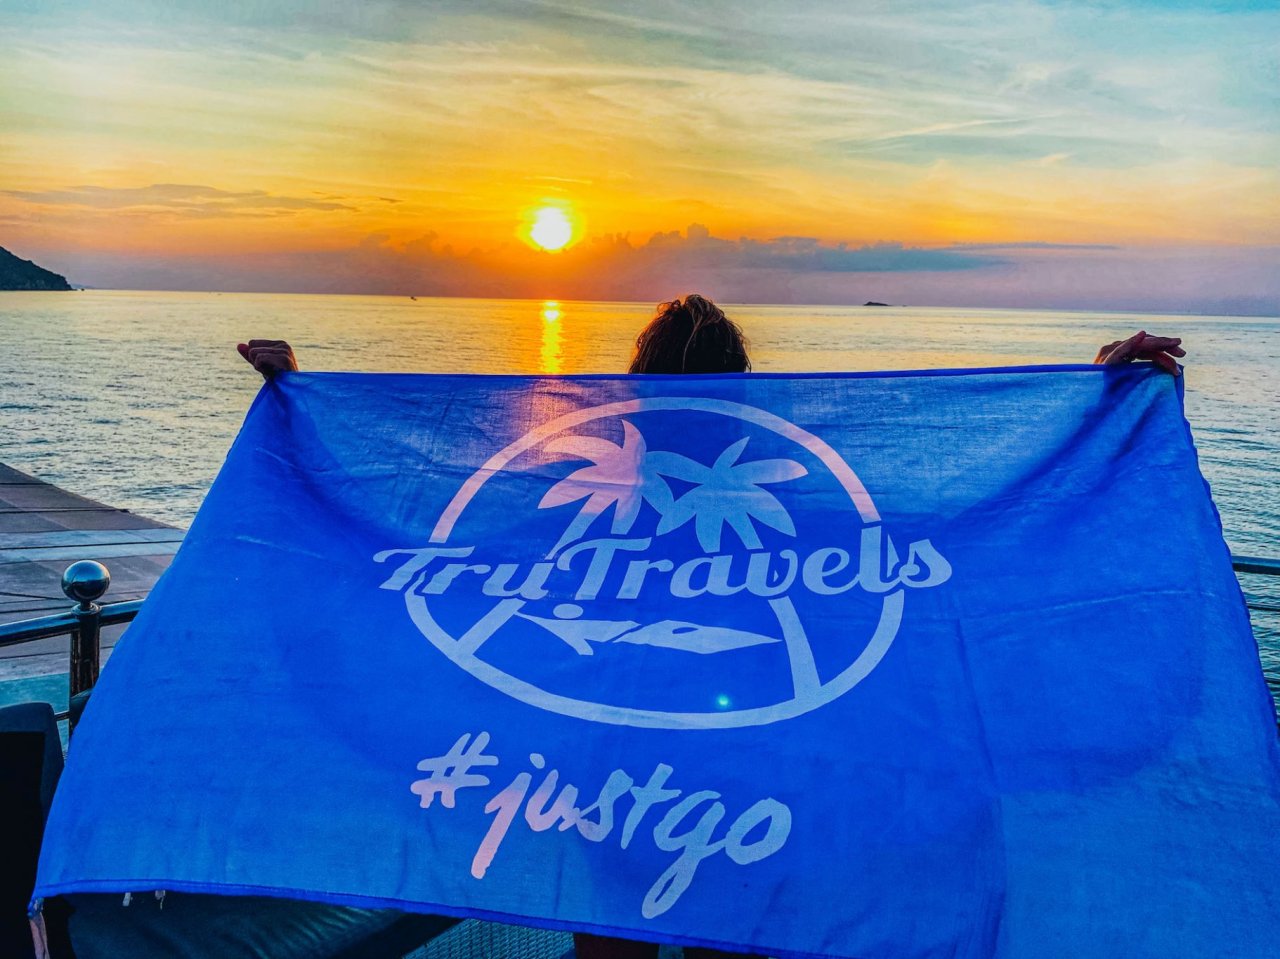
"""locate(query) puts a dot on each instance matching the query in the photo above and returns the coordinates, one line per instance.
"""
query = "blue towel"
(944, 664)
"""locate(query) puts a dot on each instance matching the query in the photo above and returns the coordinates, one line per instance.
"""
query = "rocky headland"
(20, 274)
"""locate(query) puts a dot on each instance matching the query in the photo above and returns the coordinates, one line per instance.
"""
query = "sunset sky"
(1121, 155)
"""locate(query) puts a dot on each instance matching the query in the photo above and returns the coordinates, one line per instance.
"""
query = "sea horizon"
(726, 303)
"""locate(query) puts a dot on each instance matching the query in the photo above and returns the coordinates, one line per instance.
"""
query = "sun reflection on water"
(552, 357)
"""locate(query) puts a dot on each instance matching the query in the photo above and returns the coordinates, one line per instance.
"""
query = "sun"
(551, 228)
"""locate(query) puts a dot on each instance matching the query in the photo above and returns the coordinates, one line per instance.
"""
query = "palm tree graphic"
(621, 477)
(727, 493)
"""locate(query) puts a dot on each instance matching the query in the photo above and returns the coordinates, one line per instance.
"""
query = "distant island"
(874, 303)
(19, 274)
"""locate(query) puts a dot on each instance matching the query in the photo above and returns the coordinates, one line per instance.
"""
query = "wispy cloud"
(176, 197)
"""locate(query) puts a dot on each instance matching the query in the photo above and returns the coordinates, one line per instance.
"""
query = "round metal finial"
(85, 581)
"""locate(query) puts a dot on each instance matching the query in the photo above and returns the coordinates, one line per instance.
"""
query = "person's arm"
(1160, 350)
(268, 357)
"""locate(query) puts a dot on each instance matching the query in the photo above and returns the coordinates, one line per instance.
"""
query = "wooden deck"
(43, 529)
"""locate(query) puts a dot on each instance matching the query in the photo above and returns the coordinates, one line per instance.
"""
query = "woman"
(693, 335)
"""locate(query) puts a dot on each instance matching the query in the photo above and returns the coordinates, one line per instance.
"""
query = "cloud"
(187, 199)
(606, 267)
(778, 270)
(795, 254)
(1029, 275)
(1033, 245)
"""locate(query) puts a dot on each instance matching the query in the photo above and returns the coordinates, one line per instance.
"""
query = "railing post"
(85, 582)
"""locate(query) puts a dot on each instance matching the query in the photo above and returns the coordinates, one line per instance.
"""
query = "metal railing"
(1263, 567)
(86, 581)
(1256, 564)
(82, 582)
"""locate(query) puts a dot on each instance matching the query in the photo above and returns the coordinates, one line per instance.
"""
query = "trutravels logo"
(609, 563)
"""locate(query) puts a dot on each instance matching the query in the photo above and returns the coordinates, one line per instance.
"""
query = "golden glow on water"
(552, 352)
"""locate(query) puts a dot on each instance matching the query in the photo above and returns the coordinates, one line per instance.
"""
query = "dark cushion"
(30, 764)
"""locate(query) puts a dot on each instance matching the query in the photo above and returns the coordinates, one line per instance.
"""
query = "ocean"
(133, 398)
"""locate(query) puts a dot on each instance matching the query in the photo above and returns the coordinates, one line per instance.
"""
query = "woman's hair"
(690, 336)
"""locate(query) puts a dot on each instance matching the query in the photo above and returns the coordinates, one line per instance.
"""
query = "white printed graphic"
(611, 528)
(688, 828)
